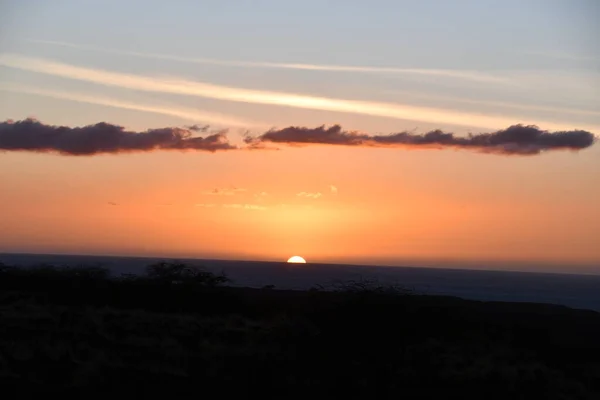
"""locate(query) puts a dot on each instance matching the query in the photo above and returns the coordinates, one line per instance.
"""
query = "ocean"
(576, 291)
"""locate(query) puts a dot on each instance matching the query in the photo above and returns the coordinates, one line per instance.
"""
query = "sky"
(379, 132)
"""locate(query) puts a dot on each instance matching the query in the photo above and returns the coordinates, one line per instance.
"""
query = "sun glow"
(296, 260)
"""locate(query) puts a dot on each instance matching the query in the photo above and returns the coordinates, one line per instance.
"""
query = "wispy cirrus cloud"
(500, 104)
(469, 75)
(208, 90)
(180, 112)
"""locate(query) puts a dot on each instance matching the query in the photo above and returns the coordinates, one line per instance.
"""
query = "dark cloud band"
(516, 139)
(104, 138)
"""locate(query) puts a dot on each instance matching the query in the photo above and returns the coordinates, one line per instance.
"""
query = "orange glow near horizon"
(384, 205)
(348, 146)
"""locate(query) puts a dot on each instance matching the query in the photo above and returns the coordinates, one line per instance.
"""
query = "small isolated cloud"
(310, 195)
(245, 206)
(102, 138)
(514, 140)
(285, 206)
(224, 191)
(205, 205)
(333, 189)
(112, 203)
(260, 196)
(198, 128)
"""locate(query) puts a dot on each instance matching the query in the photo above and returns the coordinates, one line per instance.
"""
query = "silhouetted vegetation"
(364, 286)
(181, 331)
(178, 272)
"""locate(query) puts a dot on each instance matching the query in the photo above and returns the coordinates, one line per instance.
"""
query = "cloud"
(516, 139)
(179, 112)
(260, 196)
(285, 206)
(224, 192)
(471, 75)
(255, 207)
(208, 90)
(197, 128)
(102, 138)
(205, 205)
(112, 203)
(333, 189)
(310, 195)
(105, 138)
(497, 104)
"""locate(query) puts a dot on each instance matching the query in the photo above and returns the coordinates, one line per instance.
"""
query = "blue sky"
(460, 34)
(544, 48)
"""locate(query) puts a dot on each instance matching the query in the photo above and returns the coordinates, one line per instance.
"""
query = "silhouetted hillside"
(179, 331)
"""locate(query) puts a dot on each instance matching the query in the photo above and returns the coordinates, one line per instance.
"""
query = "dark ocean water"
(577, 291)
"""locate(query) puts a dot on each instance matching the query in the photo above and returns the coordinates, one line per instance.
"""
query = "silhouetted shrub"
(176, 272)
(364, 286)
(4, 269)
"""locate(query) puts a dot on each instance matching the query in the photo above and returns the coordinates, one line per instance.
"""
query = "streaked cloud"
(183, 113)
(333, 189)
(206, 205)
(310, 195)
(224, 191)
(471, 75)
(207, 90)
(499, 104)
(285, 206)
(255, 207)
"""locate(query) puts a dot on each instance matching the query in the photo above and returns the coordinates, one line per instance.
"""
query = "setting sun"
(296, 260)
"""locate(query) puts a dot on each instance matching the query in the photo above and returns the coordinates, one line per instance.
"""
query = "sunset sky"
(248, 67)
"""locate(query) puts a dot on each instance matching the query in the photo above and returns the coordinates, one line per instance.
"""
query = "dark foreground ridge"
(181, 332)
